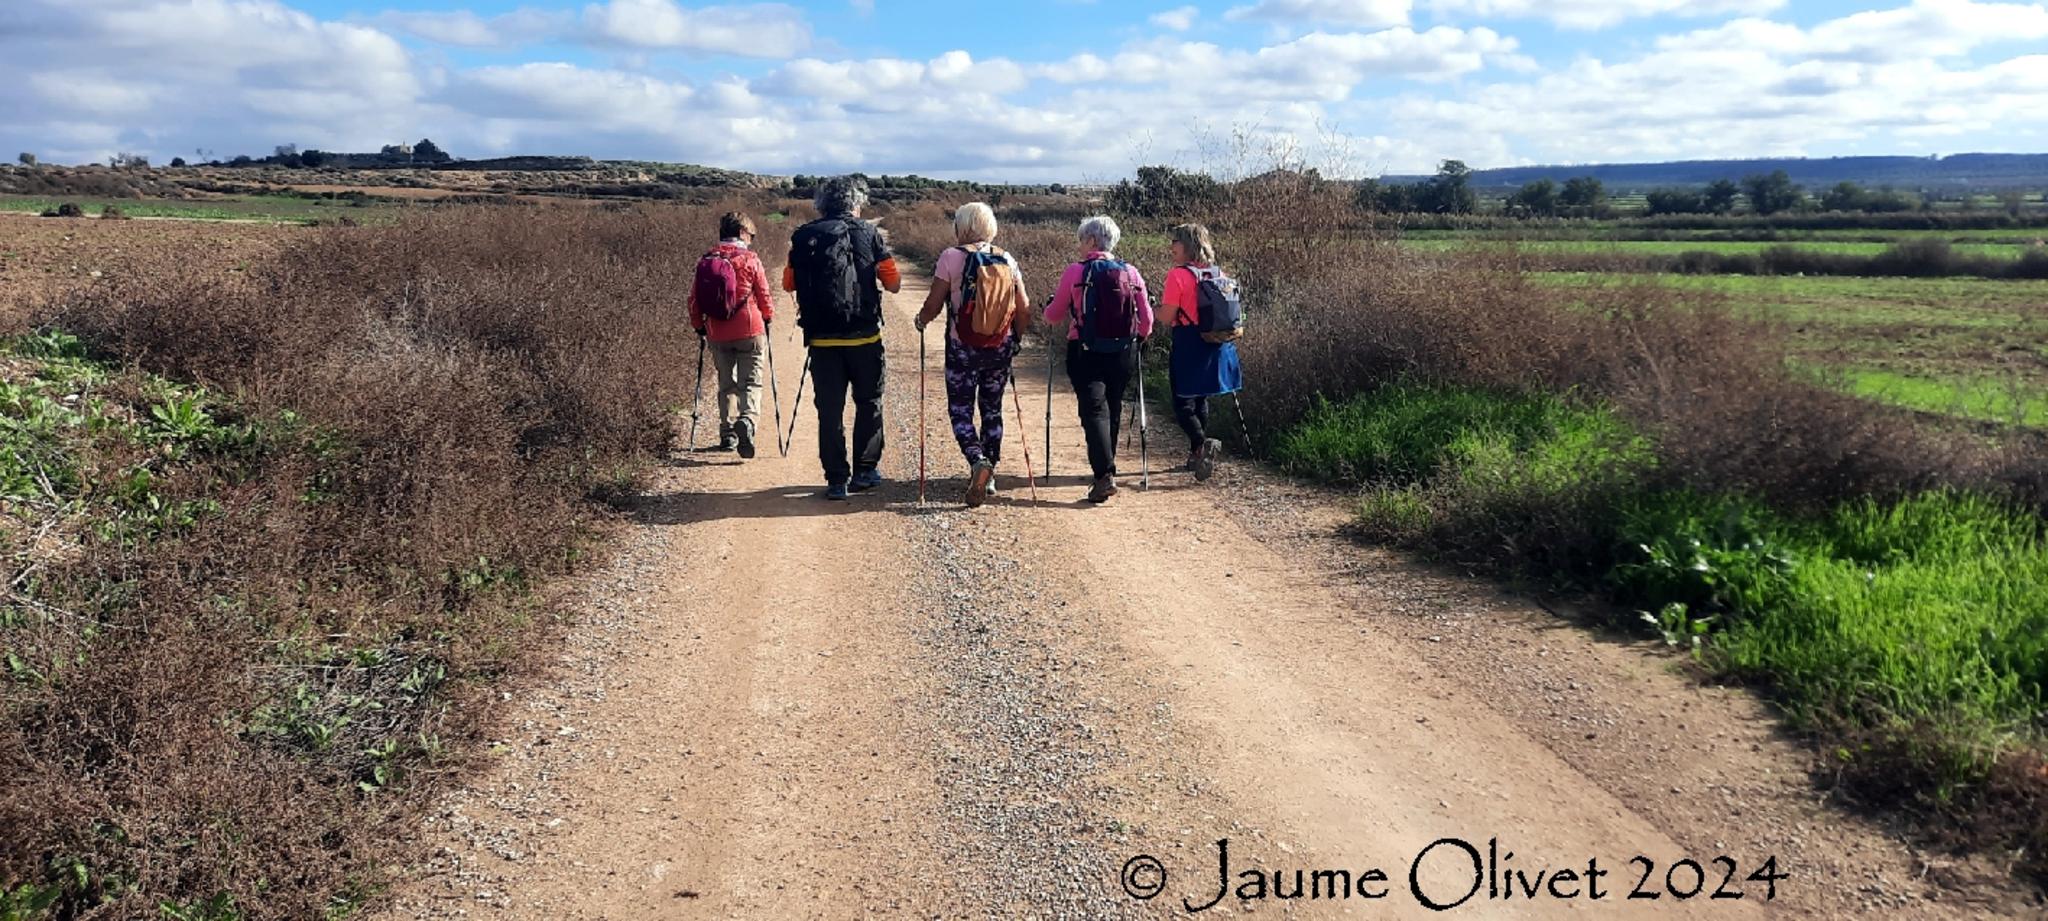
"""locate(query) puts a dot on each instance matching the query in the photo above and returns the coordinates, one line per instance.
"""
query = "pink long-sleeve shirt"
(1066, 302)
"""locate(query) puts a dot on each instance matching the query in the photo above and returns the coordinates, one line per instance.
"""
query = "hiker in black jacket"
(838, 266)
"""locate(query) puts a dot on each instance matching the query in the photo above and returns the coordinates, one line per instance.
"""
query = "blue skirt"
(1201, 368)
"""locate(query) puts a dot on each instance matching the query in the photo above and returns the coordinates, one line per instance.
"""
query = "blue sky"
(1067, 90)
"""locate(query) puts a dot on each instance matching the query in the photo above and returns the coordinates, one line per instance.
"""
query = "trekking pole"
(797, 408)
(1244, 428)
(775, 392)
(1048, 408)
(923, 416)
(1023, 438)
(697, 397)
(1144, 419)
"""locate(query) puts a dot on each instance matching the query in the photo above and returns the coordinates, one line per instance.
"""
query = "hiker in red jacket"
(738, 343)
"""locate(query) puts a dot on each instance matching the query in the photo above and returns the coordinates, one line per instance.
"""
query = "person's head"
(841, 195)
(974, 222)
(736, 225)
(1191, 244)
(1099, 234)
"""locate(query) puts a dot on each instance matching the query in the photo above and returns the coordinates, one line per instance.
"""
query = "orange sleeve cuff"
(886, 272)
(789, 278)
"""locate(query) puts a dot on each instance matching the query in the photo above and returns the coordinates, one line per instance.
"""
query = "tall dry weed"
(262, 700)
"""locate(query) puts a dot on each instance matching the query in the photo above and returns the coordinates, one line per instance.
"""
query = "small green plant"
(1703, 554)
(218, 907)
(29, 901)
(1679, 627)
(180, 419)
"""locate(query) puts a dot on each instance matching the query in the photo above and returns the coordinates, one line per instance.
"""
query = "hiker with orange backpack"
(1203, 310)
(731, 308)
(1103, 301)
(981, 291)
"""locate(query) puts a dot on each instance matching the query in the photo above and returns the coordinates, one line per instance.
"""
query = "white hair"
(974, 222)
(1102, 231)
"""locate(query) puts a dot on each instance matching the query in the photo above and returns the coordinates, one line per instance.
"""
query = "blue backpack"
(1112, 300)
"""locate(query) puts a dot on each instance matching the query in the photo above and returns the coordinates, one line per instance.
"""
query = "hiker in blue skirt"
(1202, 308)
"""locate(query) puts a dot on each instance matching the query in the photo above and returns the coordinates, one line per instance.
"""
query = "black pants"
(1193, 415)
(833, 370)
(1099, 381)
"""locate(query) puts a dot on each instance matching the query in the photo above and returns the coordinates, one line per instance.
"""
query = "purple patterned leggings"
(977, 376)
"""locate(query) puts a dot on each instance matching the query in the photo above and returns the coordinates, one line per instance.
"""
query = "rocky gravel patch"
(1022, 746)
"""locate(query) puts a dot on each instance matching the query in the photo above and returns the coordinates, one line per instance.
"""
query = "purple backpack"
(717, 288)
(1111, 302)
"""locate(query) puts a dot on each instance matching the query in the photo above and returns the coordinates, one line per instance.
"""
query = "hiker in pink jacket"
(1102, 300)
(738, 344)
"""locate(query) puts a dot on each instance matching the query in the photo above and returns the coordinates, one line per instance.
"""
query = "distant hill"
(1974, 170)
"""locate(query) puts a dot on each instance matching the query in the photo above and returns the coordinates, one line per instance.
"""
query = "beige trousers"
(738, 365)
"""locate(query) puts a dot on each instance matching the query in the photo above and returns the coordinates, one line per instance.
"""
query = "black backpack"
(830, 298)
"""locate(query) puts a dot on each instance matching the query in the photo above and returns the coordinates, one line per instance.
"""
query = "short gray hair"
(974, 222)
(1102, 231)
(841, 195)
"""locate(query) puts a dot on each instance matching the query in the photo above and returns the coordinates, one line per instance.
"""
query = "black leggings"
(1193, 415)
(1100, 379)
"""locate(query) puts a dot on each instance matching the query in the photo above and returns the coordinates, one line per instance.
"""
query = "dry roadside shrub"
(1712, 387)
(268, 697)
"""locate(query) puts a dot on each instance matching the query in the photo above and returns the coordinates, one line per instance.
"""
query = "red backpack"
(717, 289)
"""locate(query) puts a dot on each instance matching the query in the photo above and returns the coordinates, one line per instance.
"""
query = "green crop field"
(278, 208)
(1968, 347)
(1724, 247)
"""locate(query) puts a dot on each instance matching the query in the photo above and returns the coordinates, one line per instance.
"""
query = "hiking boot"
(992, 492)
(978, 483)
(865, 480)
(835, 492)
(1105, 487)
(726, 442)
(744, 434)
(1205, 459)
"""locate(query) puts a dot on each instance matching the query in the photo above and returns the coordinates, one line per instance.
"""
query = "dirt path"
(778, 707)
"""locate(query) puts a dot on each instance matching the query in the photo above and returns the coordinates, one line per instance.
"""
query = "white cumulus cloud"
(1178, 19)
(163, 77)
(770, 30)
(1362, 14)
(1598, 14)
(1754, 87)
(466, 29)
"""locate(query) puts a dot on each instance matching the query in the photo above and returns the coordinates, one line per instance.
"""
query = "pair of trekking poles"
(1138, 409)
(774, 390)
(1140, 419)
(924, 420)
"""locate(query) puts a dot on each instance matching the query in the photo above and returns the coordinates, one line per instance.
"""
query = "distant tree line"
(1776, 193)
(424, 153)
(1719, 197)
(1450, 191)
(1164, 191)
(804, 185)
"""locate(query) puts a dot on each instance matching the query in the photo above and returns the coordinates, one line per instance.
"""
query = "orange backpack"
(988, 298)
